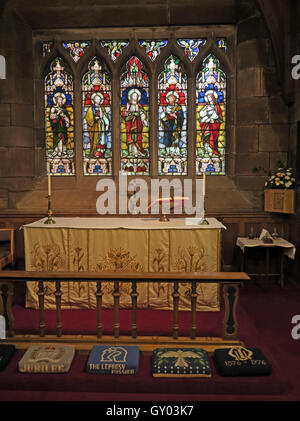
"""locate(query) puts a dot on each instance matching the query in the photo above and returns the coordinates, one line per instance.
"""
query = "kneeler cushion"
(6, 354)
(180, 362)
(50, 358)
(240, 361)
(113, 359)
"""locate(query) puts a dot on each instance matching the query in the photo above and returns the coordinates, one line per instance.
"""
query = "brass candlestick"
(204, 220)
(49, 220)
(164, 218)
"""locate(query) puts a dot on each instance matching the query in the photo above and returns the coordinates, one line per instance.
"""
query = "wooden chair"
(7, 249)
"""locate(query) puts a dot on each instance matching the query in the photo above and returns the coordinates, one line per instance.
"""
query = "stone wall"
(259, 123)
(16, 111)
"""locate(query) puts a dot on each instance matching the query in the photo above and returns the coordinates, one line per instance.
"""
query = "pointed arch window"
(148, 103)
(96, 120)
(134, 116)
(172, 119)
(59, 119)
(210, 117)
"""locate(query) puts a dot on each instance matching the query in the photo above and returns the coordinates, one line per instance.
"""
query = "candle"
(204, 179)
(49, 185)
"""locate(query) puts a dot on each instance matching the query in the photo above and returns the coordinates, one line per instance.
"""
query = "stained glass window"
(211, 117)
(191, 46)
(114, 48)
(153, 47)
(134, 118)
(172, 119)
(47, 47)
(222, 43)
(96, 108)
(59, 119)
(76, 48)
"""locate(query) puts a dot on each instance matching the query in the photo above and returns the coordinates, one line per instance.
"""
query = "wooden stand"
(280, 201)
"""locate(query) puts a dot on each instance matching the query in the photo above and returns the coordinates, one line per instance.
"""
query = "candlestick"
(49, 220)
(49, 185)
(204, 220)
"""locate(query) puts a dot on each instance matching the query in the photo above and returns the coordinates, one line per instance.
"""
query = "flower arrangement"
(282, 179)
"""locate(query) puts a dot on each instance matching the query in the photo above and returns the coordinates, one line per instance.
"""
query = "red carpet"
(264, 322)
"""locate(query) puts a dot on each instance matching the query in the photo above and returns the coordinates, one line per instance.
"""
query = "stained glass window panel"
(47, 47)
(153, 47)
(172, 119)
(76, 48)
(210, 117)
(134, 116)
(59, 119)
(96, 108)
(114, 48)
(222, 43)
(191, 46)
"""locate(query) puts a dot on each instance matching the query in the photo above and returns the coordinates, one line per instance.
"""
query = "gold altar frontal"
(123, 245)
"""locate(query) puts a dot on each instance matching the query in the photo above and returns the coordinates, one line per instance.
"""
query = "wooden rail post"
(58, 295)
(134, 294)
(175, 310)
(230, 325)
(41, 296)
(99, 294)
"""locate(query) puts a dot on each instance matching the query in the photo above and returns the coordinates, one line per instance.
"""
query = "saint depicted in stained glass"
(76, 48)
(96, 104)
(222, 43)
(114, 48)
(134, 119)
(191, 46)
(47, 47)
(153, 47)
(211, 116)
(59, 116)
(172, 111)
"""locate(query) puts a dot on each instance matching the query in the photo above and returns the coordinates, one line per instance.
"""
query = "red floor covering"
(264, 317)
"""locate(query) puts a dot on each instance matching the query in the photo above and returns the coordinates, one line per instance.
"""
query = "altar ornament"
(50, 220)
(204, 220)
(172, 203)
(251, 234)
(275, 234)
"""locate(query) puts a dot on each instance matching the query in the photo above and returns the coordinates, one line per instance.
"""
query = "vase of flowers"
(280, 191)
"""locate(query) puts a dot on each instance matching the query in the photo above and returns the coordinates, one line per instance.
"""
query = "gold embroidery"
(190, 259)
(78, 267)
(118, 260)
(158, 287)
(240, 354)
(47, 258)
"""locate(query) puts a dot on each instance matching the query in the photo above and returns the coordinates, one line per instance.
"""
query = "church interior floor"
(264, 317)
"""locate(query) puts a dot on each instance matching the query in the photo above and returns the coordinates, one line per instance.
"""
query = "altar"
(123, 245)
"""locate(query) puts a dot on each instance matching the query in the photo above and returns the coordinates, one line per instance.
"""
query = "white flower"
(288, 184)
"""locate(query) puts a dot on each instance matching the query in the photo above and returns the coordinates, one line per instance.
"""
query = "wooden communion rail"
(230, 281)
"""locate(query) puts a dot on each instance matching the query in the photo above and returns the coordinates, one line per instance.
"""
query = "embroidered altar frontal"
(180, 362)
(109, 359)
(49, 358)
(123, 245)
